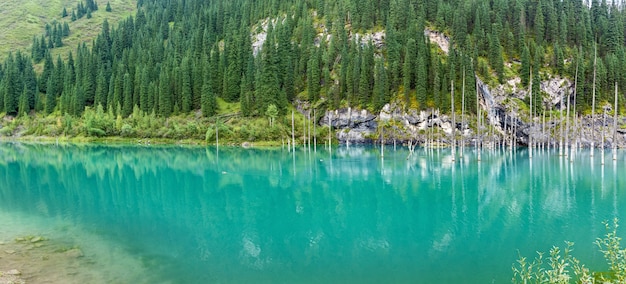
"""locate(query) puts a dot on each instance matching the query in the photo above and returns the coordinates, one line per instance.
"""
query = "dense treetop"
(179, 56)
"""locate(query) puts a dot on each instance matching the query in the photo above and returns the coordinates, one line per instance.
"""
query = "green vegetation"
(177, 58)
(562, 267)
(96, 125)
(21, 21)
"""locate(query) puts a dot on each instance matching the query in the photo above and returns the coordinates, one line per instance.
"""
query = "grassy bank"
(99, 126)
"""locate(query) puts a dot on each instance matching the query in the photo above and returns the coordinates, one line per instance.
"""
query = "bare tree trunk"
(462, 115)
(453, 122)
(314, 132)
(615, 126)
(530, 137)
(593, 100)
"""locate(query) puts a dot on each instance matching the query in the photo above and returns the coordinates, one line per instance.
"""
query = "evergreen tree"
(23, 106)
(539, 23)
(524, 71)
(165, 96)
(209, 103)
(50, 96)
(380, 85)
(313, 75)
(11, 83)
(186, 87)
(101, 89)
(127, 105)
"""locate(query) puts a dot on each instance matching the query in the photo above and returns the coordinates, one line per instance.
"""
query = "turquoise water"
(199, 215)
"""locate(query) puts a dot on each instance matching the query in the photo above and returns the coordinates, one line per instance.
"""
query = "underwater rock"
(74, 253)
(13, 272)
(36, 239)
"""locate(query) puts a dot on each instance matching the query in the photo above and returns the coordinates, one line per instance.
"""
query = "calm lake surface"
(199, 215)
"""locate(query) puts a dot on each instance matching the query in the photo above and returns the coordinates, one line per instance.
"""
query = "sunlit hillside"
(20, 20)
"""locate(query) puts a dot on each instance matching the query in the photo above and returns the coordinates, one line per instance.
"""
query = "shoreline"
(116, 140)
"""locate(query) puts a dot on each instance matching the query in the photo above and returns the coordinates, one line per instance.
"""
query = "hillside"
(21, 20)
(180, 58)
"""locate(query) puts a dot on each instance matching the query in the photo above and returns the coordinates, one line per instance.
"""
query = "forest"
(185, 58)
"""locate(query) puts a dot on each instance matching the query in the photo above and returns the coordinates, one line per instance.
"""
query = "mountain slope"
(178, 57)
(21, 20)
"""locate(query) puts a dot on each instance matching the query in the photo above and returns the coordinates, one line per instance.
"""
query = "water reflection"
(237, 215)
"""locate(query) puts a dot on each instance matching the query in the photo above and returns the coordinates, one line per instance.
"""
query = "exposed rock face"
(506, 117)
(438, 38)
(356, 126)
(377, 39)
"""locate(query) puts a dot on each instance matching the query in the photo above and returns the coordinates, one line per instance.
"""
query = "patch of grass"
(225, 107)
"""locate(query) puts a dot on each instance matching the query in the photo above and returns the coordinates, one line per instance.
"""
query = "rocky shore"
(504, 120)
(35, 259)
(357, 126)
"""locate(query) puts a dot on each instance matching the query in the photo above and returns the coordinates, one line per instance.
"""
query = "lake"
(170, 214)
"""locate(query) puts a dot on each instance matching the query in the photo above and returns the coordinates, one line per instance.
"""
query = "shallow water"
(196, 215)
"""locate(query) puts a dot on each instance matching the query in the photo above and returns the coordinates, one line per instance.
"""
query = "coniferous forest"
(188, 57)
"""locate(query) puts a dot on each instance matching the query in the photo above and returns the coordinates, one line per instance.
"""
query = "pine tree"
(101, 89)
(208, 101)
(268, 87)
(165, 96)
(144, 94)
(524, 71)
(48, 68)
(407, 70)
(313, 75)
(11, 92)
(50, 96)
(381, 87)
(127, 104)
(79, 100)
(23, 106)
(539, 24)
(108, 8)
(186, 86)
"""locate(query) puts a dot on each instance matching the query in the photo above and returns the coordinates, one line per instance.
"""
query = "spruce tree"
(186, 86)
(50, 96)
(208, 100)
(313, 75)
(11, 91)
(380, 85)
(127, 103)
(524, 71)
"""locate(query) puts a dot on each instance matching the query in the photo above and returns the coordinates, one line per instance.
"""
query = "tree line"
(179, 56)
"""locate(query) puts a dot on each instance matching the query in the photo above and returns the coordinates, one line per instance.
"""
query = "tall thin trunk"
(463, 114)
(573, 144)
(330, 115)
(530, 137)
(593, 100)
(478, 118)
(615, 126)
(603, 134)
(453, 121)
(314, 132)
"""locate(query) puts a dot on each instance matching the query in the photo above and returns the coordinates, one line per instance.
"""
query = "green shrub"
(562, 267)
